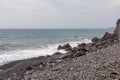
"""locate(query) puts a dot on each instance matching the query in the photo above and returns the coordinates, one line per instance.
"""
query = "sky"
(59, 13)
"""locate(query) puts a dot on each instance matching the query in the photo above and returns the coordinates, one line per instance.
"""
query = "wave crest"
(14, 55)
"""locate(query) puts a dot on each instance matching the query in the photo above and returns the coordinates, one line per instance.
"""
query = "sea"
(19, 44)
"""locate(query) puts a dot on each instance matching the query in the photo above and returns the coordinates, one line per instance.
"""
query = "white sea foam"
(30, 53)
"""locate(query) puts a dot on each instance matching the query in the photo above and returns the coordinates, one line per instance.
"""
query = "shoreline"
(21, 68)
(35, 52)
(27, 69)
(99, 60)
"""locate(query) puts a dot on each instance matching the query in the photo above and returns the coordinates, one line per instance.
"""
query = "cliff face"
(117, 30)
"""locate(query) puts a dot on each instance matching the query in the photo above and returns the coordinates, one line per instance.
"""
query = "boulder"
(59, 47)
(107, 36)
(82, 44)
(66, 47)
(95, 39)
(117, 30)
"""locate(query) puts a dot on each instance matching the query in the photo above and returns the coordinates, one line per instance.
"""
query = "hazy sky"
(59, 13)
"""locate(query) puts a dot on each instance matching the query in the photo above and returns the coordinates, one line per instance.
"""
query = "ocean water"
(18, 44)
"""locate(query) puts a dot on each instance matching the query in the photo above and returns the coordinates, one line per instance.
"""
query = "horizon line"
(59, 28)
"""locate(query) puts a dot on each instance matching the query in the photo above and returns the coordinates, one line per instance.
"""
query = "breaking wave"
(9, 56)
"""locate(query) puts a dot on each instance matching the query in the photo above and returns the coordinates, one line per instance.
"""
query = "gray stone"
(107, 36)
(95, 39)
(66, 47)
(59, 47)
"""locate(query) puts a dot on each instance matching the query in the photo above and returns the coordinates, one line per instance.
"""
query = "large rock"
(82, 44)
(107, 36)
(66, 47)
(59, 47)
(117, 30)
(95, 39)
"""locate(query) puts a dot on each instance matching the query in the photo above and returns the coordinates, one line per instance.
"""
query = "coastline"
(52, 67)
(28, 69)
(21, 54)
(99, 60)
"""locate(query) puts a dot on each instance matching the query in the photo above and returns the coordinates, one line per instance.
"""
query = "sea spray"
(14, 55)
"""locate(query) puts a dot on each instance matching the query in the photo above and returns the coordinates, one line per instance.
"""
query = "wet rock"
(82, 44)
(66, 47)
(59, 47)
(83, 47)
(95, 39)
